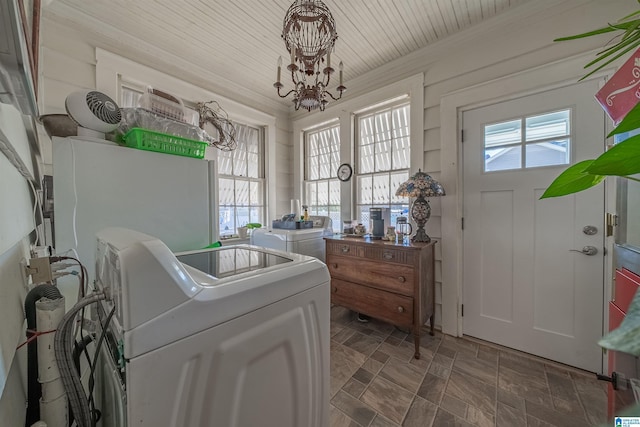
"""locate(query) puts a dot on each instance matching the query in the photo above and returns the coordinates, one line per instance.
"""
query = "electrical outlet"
(40, 270)
(41, 251)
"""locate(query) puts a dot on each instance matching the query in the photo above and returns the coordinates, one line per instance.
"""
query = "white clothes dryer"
(306, 241)
(234, 336)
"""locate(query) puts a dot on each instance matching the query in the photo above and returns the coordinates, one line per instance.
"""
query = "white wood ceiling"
(239, 40)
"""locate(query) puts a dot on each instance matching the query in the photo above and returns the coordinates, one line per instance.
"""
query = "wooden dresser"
(391, 282)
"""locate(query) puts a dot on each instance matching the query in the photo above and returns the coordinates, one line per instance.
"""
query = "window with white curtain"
(241, 181)
(383, 147)
(130, 95)
(322, 158)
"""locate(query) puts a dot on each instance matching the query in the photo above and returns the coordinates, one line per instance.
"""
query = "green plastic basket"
(149, 140)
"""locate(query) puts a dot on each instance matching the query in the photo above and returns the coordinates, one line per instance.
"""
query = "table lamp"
(420, 186)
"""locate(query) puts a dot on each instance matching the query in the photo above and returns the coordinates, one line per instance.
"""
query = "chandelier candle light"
(309, 34)
(420, 186)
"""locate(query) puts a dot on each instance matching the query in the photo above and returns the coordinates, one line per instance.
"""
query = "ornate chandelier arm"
(278, 85)
(333, 97)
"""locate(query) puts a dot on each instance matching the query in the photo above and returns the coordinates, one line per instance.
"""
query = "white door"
(523, 286)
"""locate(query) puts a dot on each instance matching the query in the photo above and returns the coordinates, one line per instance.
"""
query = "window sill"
(234, 241)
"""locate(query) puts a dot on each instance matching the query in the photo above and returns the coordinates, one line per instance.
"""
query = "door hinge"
(462, 223)
(462, 310)
(612, 221)
(461, 135)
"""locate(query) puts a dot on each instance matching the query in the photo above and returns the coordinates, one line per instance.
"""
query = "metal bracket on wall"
(612, 221)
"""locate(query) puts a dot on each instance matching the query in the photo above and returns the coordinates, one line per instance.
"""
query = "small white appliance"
(306, 241)
(235, 336)
(94, 112)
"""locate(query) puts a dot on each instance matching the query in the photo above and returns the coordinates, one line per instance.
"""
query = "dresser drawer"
(344, 248)
(392, 277)
(383, 305)
(391, 254)
(385, 253)
(627, 284)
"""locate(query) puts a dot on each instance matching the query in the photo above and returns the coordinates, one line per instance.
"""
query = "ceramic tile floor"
(376, 382)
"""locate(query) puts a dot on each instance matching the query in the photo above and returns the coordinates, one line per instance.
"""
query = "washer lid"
(231, 261)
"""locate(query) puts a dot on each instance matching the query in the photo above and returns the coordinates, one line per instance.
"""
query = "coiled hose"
(64, 343)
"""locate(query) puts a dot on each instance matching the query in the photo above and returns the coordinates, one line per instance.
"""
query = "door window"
(528, 142)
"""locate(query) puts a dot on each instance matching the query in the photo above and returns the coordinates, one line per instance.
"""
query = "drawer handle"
(334, 265)
(345, 249)
(402, 279)
(335, 289)
(400, 309)
(387, 255)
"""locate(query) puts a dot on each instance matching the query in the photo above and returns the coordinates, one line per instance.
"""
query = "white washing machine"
(307, 241)
(236, 336)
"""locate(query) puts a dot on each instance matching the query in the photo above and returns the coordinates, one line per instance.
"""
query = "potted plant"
(622, 160)
(244, 230)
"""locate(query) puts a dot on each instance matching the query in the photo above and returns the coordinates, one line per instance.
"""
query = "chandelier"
(309, 34)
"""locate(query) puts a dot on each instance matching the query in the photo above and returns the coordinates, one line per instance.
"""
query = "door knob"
(587, 250)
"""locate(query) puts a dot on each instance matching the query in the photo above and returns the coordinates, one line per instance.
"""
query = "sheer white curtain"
(383, 147)
(322, 188)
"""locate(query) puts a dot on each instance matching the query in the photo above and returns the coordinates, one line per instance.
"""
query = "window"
(533, 141)
(130, 95)
(241, 180)
(241, 184)
(383, 160)
(322, 188)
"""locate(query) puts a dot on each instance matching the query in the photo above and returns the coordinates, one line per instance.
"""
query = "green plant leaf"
(633, 41)
(630, 122)
(603, 30)
(621, 160)
(631, 15)
(572, 180)
(610, 60)
(626, 337)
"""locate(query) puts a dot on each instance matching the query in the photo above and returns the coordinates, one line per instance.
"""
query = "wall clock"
(344, 172)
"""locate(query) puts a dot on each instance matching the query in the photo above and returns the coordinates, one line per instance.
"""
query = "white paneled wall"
(16, 223)
(284, 172)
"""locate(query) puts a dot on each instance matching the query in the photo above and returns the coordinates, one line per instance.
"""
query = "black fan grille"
(103, 107)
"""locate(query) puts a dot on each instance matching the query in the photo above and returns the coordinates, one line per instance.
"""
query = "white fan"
(94, 112)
